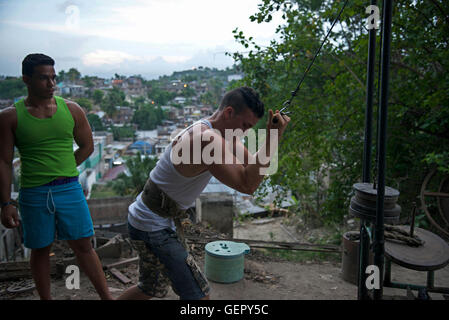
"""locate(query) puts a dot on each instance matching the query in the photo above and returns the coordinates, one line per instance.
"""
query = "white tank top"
(184, 190)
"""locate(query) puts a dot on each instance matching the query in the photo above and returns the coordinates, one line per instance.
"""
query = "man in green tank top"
(51, 201)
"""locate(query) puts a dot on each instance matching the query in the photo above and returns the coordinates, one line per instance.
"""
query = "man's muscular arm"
(8, 123)
(245, 177)
(82, 133)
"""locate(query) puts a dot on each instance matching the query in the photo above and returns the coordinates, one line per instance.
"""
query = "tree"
(120, 133)
(85, 103)
(61, 76)
(114, 98)
(97, 96)
(12, 88)
(148, 117)
(73, 75)
(119, 77)
(117, 97)
(139, 168)
(88, 82)
(325, 138)
(208, 98)
(159, 96)
(95, 122)
(188, 92)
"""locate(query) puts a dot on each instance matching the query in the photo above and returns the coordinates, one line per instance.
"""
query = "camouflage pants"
(160, 203)
(163, 262)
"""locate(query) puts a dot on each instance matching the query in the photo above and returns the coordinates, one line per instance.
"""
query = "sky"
(128, 37)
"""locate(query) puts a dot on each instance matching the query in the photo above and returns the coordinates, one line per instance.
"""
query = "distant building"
(160, 148)
(173, 113)
(5, 103)
(165, 130)
(142, 146)
(134, 87)
(232, 77)
(146, 134)
(118, 83)
(196, 114)
(73, 90)
(123, 115)
(93, 168)
(188, 110)
(100, 114)
(180, 100)
(206, 111)
(109, 137)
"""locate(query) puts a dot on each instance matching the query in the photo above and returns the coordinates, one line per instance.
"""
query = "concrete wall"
(217, 209)
(103, 211)
(109, 210)
(10, 243)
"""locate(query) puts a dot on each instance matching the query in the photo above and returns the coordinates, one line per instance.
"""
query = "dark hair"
(243, 97)
(35, 59)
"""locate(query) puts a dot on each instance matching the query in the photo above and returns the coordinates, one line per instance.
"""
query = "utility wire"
(295, 92)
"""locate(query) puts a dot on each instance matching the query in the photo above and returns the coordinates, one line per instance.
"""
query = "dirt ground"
(265, 278)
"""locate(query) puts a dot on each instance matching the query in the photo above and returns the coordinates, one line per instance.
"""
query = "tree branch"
(445, 16)
(349, 69)
(403, 65)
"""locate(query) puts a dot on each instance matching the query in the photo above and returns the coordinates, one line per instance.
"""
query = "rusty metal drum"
(350, 256)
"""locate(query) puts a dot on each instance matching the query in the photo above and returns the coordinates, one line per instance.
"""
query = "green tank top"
(45, 145)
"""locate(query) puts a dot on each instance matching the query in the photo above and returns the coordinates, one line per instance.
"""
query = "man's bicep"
(232, 175)
(82, 132)
(226, 167)
(242, 153)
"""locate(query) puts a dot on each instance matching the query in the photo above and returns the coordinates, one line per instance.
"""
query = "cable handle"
(285, 106)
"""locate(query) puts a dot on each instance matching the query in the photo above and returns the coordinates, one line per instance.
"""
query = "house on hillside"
(134, 87)
(142, 146)
(173, 113)
(188, 110)
(123, 115)
(73, 90)
(179, 100)
(93, 168)
(235, 77)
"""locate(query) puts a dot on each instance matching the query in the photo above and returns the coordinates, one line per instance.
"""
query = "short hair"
(33, 60)
(242, 97)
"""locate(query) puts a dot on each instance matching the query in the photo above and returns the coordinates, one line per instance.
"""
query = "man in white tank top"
(184, 170)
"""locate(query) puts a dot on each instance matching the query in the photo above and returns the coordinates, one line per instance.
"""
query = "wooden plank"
(120, 276)
(121, 263)
(436, 194)
(274, 244)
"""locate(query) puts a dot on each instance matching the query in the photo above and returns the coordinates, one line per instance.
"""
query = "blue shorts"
(47, 211)
(163, 261)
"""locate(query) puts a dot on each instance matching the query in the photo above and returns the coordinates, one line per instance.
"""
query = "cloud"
(111, 57)
(128, 37)
(108, 57)
(176, 59)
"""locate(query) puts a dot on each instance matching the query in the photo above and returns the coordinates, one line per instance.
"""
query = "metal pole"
(379, 242)
(364, 238)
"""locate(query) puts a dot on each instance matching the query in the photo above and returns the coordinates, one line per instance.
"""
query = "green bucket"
(224, 262)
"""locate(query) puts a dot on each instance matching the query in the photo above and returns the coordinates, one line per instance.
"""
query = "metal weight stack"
(363, 203)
